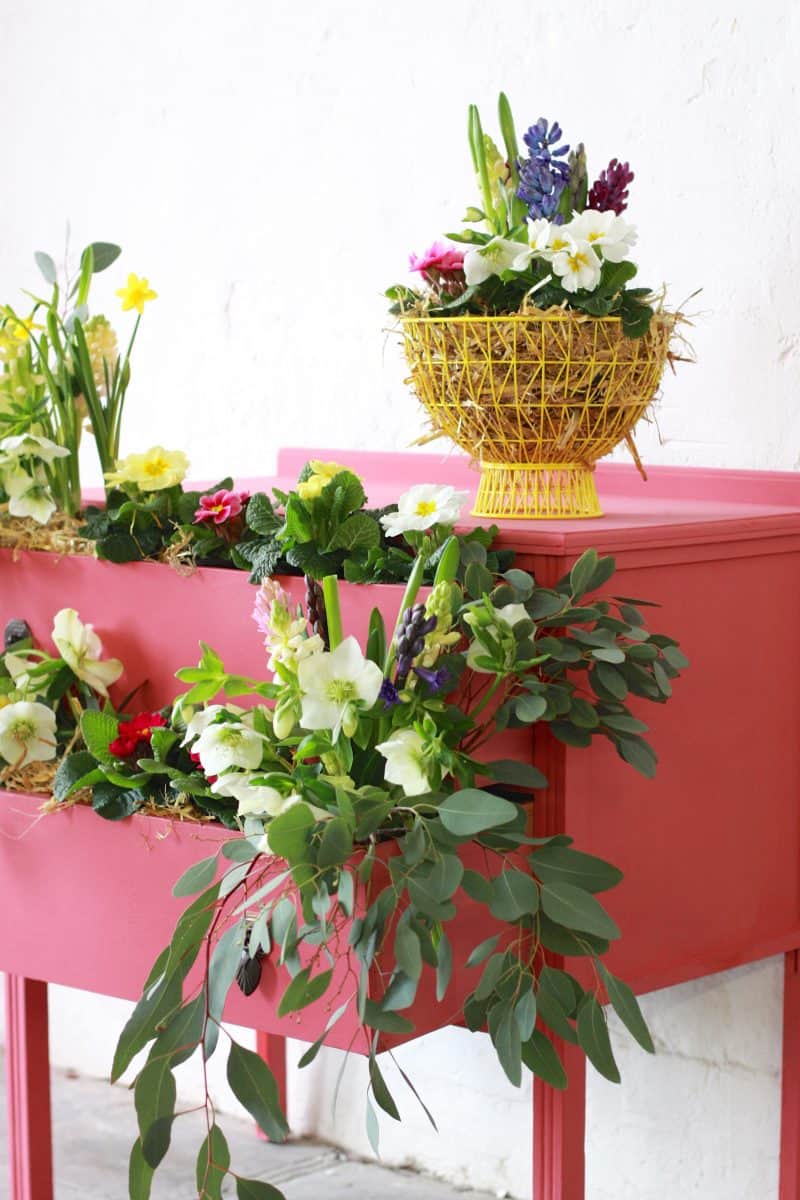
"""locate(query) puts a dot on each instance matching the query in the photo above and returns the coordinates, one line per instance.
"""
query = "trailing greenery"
(372, 828)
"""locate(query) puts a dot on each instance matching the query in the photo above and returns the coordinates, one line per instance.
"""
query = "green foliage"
(353, 863)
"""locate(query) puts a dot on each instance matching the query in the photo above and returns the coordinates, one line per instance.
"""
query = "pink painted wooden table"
(717, 874)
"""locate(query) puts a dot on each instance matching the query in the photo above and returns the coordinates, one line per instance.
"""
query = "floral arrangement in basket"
(61, 374)
(527, 343)
(379, 856)
(548, 239)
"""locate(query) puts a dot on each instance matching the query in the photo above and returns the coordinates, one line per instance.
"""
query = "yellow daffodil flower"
(136, 293)
(152, 471)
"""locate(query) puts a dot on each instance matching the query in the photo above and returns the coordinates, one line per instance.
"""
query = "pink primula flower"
(438, 257)
(220, 506)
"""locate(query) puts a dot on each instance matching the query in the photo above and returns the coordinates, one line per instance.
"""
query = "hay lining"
(37, 779)
(59, 535)
(554, 386)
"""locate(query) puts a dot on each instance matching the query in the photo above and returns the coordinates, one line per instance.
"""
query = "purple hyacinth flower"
(389, 694)
(543, 176)
(437, 680)
(610, 191)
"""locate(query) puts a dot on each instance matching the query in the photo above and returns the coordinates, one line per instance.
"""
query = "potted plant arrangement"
(381, 877)
(527, 344)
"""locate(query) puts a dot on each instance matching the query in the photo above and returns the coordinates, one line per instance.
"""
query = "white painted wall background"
(269, 166)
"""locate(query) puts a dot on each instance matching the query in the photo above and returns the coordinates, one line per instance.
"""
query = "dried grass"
(59, 535)
(37, 779)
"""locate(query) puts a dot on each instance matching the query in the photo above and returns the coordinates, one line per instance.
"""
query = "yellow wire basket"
(536, 398)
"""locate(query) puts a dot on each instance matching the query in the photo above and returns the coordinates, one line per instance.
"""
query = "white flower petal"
(27, 733)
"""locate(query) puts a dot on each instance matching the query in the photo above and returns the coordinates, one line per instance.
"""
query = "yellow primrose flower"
(152, 471)
(136, 293)
(324, 472)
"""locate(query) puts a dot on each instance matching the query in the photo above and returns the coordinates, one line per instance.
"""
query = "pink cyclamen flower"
(438, 257)
(220, 506)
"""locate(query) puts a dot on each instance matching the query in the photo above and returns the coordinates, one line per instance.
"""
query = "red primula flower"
(220, 506)
(134, 733)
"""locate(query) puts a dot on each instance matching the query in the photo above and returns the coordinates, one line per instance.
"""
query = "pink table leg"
(559, 1126)
(28, 1089)
(272, 1048)
(790, 1100)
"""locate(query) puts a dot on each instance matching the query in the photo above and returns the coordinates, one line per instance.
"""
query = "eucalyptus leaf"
(594, 1040)
(471, 811)
(576, 908)
(254, 1086)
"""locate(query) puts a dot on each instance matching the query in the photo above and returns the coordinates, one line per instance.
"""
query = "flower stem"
(330, 592)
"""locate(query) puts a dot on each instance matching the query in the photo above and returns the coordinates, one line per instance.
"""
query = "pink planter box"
(115, 880)
(710, 849)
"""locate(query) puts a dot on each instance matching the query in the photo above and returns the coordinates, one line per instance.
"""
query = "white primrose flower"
(405, 761)
(498, 255)
(81, 650)
(423, 506)
(31, 445)
(609, 233)
(255, 800)
(229, 744)
(578, 266)
(505, 619)
(334, 685)
(27, 733)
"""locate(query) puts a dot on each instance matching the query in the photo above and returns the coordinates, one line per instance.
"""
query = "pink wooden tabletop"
(677, 505)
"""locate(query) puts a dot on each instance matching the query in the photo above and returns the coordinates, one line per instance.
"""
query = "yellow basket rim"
(560, 315)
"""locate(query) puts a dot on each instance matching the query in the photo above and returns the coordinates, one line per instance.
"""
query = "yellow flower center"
(576, 261)
(559, 243)
(425, 508)
(156, 466)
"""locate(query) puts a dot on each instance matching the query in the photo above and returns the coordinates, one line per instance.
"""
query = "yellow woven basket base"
(558, 490)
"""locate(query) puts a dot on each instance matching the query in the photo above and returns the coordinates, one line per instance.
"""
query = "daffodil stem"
(409, 596)
(333, 613)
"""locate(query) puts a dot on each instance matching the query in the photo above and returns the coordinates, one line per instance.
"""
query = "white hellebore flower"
(404, 754)
(205, 716)
(508, 616)
(229, 744)
(81, 648)
(28, 495)
(333, 684)
(605, 230)
(27, 733)
(31, 445)
(578, 266)
(255, 800)
(496, 256)
(422, 506)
